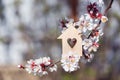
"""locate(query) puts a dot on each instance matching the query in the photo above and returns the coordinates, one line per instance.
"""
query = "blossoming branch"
(88, 32)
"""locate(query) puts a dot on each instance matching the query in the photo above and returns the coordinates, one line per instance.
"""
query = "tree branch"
(109, 6)
(106, 10)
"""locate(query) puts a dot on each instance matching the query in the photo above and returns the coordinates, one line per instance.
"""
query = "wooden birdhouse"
(71, 41)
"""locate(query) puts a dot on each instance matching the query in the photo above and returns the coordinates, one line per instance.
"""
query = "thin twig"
(53, 64)
(109, 6)
(57, 62)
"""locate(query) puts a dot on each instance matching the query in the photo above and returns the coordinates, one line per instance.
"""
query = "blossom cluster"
(70, 61)
(39, 66)
(88, 26)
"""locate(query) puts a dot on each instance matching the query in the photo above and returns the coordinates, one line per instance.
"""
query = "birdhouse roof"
(70, 32)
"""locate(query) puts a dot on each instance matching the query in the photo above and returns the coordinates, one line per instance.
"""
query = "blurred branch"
(73, 4)
(109, 6)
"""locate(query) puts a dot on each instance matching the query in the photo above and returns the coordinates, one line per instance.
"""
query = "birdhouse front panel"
(71, 41)
(72, 45)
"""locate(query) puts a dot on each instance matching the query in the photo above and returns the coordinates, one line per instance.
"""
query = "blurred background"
(29, 28)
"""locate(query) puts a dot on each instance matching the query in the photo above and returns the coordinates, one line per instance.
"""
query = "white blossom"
(100, 3)
(85, 60)
(87, 23)
(70, 61)
(53, 68)
(41, 73)
(94, 47)
(104, 19)
(70, 24)
(95, 38)
(40, 66)
(86, 43)
(96, 35)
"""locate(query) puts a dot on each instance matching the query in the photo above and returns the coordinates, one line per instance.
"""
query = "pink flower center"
(92, 9)
(33, 65)
(96, 44)
(43, 66)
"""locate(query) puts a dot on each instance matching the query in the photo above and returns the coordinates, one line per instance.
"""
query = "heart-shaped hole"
(71, 42)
